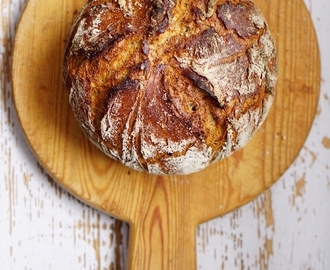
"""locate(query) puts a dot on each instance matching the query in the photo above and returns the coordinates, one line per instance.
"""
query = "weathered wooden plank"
(43, 227)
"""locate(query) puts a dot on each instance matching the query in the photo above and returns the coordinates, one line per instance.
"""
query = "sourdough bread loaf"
(170, 86)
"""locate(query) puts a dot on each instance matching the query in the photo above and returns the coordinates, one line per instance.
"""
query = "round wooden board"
(163, 212)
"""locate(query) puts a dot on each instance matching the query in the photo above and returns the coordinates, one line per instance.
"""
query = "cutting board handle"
(155, 249)
(164, 236)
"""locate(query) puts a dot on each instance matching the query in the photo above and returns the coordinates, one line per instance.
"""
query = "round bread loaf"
(170, 86)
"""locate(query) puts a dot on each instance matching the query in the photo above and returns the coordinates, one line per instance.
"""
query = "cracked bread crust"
(170, 86)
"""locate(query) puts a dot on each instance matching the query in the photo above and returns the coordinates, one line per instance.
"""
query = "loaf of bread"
(170, 86)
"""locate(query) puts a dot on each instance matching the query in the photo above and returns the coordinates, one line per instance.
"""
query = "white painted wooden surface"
(43, 227)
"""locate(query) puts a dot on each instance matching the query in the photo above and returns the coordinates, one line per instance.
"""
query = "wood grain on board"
(163, 212)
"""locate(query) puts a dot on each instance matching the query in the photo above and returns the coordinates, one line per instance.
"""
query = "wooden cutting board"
(163, 212)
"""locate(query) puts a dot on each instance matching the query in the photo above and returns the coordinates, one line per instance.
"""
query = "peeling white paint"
(42, 227)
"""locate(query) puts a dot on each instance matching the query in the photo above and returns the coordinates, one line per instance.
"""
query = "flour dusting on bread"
(170, 86)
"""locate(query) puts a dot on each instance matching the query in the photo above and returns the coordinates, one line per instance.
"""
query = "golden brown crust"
(167, 86)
